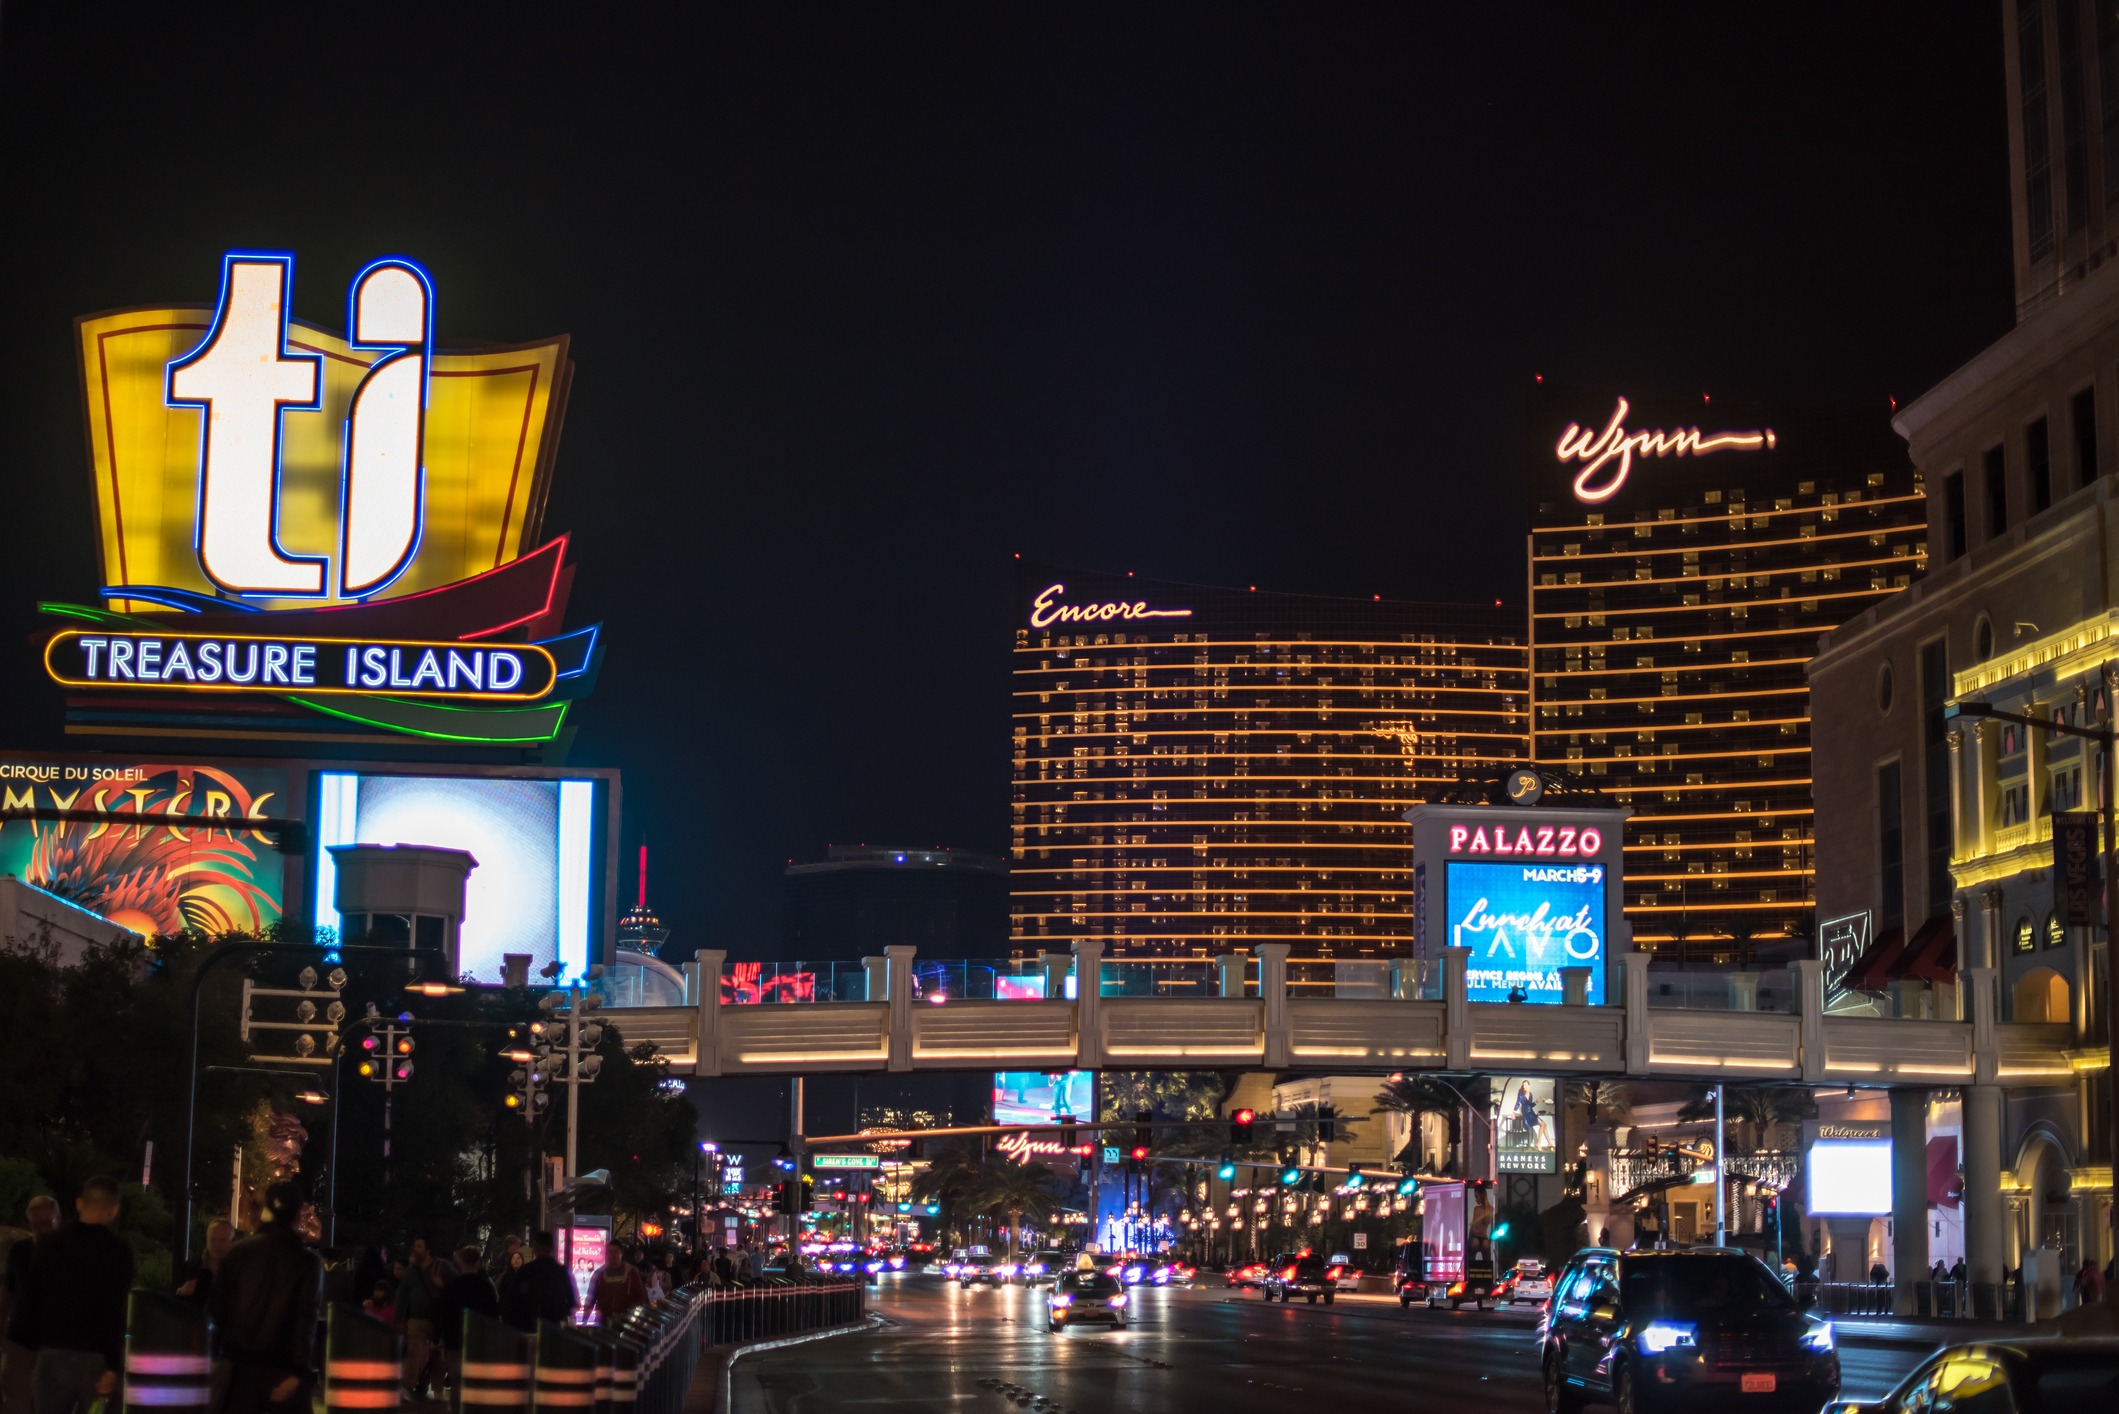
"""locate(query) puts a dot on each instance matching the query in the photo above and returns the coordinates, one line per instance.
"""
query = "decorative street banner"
(2075, 872)
(1527, 1130)
(174, 853)
(1523, 923)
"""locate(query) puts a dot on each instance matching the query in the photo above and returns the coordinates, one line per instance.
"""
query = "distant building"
(640, 929)
(1198, 769)
(860, 899)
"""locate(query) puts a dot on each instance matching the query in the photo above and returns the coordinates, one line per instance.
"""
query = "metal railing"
(777, 1306)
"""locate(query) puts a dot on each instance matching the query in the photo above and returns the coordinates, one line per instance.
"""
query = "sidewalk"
(1925, 1333)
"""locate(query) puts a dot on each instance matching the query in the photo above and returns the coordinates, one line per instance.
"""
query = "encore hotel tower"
(1197, 770)
(1678, 587)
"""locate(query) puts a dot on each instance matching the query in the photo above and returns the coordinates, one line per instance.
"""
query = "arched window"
(1883, 688)
(2041, 995)
(1983, 639)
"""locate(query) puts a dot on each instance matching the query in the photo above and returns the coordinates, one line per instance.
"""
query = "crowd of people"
(63, 1301)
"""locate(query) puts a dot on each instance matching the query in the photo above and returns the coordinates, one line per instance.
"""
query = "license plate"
(1758, 1384)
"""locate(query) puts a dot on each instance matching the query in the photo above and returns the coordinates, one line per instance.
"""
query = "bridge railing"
(1267, 1011)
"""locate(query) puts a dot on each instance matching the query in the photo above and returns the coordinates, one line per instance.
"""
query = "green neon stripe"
(556, 715)
(82, 611)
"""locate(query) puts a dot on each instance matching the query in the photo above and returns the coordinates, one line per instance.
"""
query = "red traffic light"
(1140, 1151)
(1246, 1116)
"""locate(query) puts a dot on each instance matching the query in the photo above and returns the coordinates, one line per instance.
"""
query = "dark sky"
(867, 299)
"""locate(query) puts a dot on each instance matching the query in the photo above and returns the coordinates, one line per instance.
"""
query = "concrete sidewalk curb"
(723, 1380)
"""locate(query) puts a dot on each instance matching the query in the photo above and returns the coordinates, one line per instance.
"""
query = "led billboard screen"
(1034, 1097)
(1523, 923)
(194, 866)
(534, 888)
(1850, 1177)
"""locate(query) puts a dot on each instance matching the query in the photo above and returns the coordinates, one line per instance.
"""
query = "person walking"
(263, 1304)
(196, 1283)
(541, 1291)
(725, 1269)
(469, 1290)
(17, 1359)
(75, 1301)
(615, 1290)
(2089, 1284)
(417, 1291)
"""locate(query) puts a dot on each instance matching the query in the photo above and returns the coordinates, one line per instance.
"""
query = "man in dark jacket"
(539, 1290)
(17, 1359)
(263, 1305)
(74, 1304)
(469, 1290)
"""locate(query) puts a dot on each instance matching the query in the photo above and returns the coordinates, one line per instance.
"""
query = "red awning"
(1944, 1191)
(1932, 954)
(1873, 969)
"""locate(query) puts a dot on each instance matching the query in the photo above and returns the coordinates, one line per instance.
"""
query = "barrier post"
(168, 1360)
(565, 1378)
(498, 1361)
(364, 1361)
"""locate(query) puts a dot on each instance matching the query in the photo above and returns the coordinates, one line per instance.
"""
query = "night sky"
(868, 299)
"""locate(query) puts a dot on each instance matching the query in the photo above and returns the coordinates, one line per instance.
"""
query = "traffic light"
(1408, 1186)
(1325, 1117)
(1354, 1176)
(1290, 1176)
(1139, 1154)
(1068, 1135)
(1227, 1172)
(1240, 1125)
(1500, 1231)
(1140, 1128)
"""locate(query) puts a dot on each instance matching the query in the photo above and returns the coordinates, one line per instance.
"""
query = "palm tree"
(952, 1167)
(1602, 1099)
(1758, 1110)
(1418, 1095)
(1015, 1190)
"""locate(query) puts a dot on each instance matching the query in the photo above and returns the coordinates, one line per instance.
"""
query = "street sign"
(846, 1161)
(1112, 1155)
(2075, 868)
(1361, 1241)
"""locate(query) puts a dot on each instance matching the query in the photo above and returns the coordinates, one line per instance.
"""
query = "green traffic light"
(1226, 1173)
(1500, 1231)
(1291, 1177)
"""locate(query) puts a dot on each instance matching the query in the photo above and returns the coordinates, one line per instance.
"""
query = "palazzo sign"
(1528, 891)
(344, 527)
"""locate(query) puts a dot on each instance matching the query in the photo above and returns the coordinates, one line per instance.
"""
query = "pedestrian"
(724, 1269)
(1879, 1274)
(417, 1291)
(17, 1357)
(614, 1290)
(541, 1291)
(1957, 1271)
(651, 1275)
(469, 1290)
(2089, 1284)
(75, 1300)
(196, 1284)
(264, 1304)
(382, 1302)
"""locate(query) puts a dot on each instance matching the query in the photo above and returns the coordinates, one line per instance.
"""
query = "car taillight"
(1335, 1272)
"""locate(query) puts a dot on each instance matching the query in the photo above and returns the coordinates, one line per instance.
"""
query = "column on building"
(1984, 1230)
(1909, 1195)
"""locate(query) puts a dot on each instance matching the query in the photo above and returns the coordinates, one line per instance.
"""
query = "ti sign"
(344, 528)
(1529, 889)
(2075, 869)
(846, 1161)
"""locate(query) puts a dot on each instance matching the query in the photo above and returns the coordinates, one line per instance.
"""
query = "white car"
(1526, 1281)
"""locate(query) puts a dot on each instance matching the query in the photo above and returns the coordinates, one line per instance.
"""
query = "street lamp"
(2103, 736)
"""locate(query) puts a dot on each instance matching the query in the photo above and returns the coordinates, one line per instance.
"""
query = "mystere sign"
(517, 673)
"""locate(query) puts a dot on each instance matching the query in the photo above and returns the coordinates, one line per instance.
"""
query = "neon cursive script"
(1020, 1147)
(1046, 610)
(1596, 450)
(1537, 931)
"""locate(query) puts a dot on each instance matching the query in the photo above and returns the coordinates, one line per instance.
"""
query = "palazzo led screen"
(1035, 1097)
(535, 840)
(1524, 922)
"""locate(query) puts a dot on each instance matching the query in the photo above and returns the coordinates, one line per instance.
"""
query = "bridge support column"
(1810, 1010)
(1456, 1008)
(1983, 1230)
(1229, 966)
(898, 973)
(1574, 986)
(878, 970)
(1054, 965)
(1633, 982)
(706, 1001)
(1743, 991)
(1909, 1195)
(1273, 991)
(1089, 1003)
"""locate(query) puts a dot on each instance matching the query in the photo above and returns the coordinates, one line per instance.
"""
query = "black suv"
(1304, 1276)
(1706, 1329)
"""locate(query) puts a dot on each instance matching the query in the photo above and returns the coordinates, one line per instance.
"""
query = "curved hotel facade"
(1198, 769)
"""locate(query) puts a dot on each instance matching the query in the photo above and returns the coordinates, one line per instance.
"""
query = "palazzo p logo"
(344, 529)
(243, 377)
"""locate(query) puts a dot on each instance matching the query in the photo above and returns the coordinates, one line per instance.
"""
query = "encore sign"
(1599, 480)
(1046, 610)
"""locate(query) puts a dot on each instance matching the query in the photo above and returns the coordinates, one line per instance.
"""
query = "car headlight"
(1063, 1300)
(1659, 1336)
(1819, 1339)
(1119, 1300)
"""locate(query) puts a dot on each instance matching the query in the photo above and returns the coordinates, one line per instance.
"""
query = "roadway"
(987, 1351)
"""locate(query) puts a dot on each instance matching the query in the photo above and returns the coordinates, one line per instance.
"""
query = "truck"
(1453, 1262)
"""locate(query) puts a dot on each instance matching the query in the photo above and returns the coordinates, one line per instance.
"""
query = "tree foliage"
(1002, 1188)
(1759, 1113)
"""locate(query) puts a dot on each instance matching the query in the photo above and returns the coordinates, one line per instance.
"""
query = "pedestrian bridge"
(1422, 1020)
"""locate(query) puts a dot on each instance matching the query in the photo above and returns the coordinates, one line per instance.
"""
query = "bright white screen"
(1851, 1177)
(531, 890)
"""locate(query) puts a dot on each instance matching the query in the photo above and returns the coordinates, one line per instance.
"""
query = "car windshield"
(1091, 1284)
(1690, 1287)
